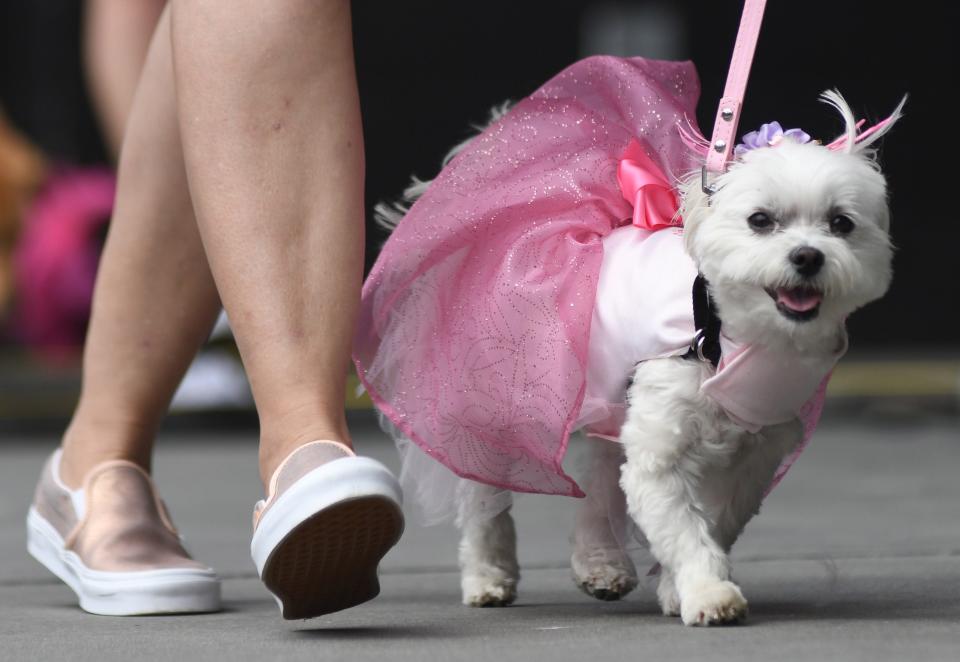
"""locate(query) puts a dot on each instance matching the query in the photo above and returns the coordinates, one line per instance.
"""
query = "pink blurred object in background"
(56, 260)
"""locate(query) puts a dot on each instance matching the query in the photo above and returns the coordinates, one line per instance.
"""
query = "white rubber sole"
(318, 546)
(166, 591)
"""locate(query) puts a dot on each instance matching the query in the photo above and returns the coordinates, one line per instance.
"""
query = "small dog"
(791, 239)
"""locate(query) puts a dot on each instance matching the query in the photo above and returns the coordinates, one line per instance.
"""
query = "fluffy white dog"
(791, 239)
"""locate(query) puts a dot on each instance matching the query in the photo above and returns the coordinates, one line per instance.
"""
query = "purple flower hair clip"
(769, 135)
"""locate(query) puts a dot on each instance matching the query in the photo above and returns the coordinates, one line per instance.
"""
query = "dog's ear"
(853, 141)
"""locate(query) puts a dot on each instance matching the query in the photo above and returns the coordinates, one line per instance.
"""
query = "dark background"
(428, 70)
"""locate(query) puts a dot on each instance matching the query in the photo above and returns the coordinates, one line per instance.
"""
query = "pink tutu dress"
(474, 337)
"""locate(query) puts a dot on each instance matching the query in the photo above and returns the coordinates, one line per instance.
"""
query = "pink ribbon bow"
(644, 185)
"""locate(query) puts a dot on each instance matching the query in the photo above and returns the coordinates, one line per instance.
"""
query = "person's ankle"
(82, 451)
(274, 449)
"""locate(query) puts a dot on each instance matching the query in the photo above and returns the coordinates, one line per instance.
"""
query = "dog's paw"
(607, 579)
(667, 595)
(715, 603)
(491, 587)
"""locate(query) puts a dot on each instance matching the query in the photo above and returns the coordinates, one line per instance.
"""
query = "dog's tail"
(389, 214)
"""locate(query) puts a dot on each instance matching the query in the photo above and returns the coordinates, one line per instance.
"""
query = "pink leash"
(728, 113)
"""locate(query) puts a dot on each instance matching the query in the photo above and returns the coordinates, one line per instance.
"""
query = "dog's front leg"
(743, 485)
(489, 571)
(749, 477)
(665, 463)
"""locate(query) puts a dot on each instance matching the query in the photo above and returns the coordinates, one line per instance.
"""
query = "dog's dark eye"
(841, 225)
(760, 222)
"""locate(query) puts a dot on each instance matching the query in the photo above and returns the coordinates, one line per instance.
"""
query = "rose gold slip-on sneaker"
(112, 542)
(328, 519)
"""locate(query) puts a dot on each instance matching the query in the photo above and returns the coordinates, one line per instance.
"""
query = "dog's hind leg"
(489, 571)
(600, 564)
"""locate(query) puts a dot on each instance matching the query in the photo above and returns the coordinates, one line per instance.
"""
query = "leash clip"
(707, 188)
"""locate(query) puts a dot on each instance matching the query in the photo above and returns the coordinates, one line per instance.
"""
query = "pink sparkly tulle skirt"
(474, 326)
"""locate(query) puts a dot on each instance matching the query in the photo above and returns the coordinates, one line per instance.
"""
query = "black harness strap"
(706, 342)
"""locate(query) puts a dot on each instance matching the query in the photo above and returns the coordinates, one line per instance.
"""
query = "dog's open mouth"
(799, 304)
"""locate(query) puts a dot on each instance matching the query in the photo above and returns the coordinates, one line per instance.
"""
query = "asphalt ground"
(856, 556)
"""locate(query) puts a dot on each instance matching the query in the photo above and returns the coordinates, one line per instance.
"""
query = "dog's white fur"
(691, 477)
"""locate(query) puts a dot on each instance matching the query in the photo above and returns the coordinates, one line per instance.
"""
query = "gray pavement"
(856, 556)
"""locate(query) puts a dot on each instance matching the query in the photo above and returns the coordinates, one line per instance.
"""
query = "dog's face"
(794, 239)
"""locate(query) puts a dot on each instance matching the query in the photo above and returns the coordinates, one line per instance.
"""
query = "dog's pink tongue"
(799, 298)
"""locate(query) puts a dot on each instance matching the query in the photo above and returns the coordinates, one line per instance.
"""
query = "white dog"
(791, 239)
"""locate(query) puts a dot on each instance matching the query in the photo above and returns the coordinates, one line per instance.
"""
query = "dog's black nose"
(807, 260)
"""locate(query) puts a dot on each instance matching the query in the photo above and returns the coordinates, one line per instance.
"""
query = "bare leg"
(116, 38)
(272, 139)
(268, 119)
(155, 300)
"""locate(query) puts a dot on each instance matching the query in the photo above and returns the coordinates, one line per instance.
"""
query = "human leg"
(270, 120)
(117, 36)
(97, 521)
(155, 300)
(273, 146)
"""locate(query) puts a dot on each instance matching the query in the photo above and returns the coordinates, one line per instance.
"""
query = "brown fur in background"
(21, 172)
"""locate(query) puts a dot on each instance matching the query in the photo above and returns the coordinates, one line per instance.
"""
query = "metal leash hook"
(706, 187)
